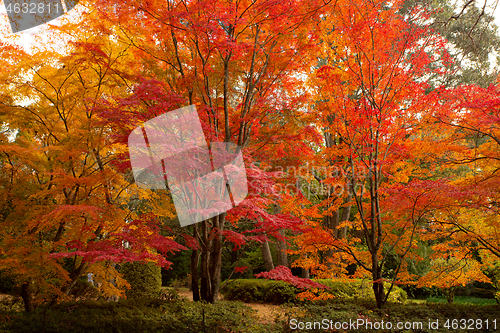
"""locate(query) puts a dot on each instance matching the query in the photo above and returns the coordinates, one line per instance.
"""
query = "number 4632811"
(34, 8)
(470, 324)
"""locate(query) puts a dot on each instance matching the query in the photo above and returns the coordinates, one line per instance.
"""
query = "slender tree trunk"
(282, 258)
(205, 260)
(331, 222)
(378, 284)
(234, 256)
(266, 255)
(346, 213)
(304, 272)
(216, 257)
(450, 295)
(77, 272)
(195, 288)
(27, 296)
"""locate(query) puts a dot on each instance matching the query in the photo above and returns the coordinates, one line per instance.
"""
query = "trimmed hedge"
(260, 290)
(279, 292)
(144, 279)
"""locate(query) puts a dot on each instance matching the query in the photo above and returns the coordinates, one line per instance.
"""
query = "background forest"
(370, 132)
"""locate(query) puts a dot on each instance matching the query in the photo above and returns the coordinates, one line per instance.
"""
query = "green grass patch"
(416, 301)
(468, 300)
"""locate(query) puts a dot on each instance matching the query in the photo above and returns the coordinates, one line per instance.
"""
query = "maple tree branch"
(61, 114)
(101, 168)
(403, 255)
(495, 250)
(347, 249)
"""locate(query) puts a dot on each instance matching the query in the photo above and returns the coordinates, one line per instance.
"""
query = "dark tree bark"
(305, 272)
(282, 258)
(266, 255)
(195, 288)
(204, 267)
(216, 264)
(378, 284)
(209, 267)
(27, 296)
(346, 213)
(331, 222)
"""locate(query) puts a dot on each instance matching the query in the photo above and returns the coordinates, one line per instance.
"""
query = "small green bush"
(144, 279)
(256, 290)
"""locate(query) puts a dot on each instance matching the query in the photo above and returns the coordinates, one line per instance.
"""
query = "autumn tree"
(469, 127)
(65, 206)
(371, 95)
(240, 64)
(451, 271)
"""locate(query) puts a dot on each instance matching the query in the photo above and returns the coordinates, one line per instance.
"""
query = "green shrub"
(144, 279)
(279, 292)
(360, 289)
(7, 282)
(257, 290)
(483, 293)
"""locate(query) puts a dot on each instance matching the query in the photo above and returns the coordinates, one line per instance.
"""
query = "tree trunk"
(195, 288)
(331, 222)
(346, 213)
(77, 272)
(450, 295)
(304, 271)
(216, 257)
(211, 261)
(282, 257)
(27, 296)
(266, 255)
(234, 256)
(205, 260)
(378, 284)
(378, 289)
